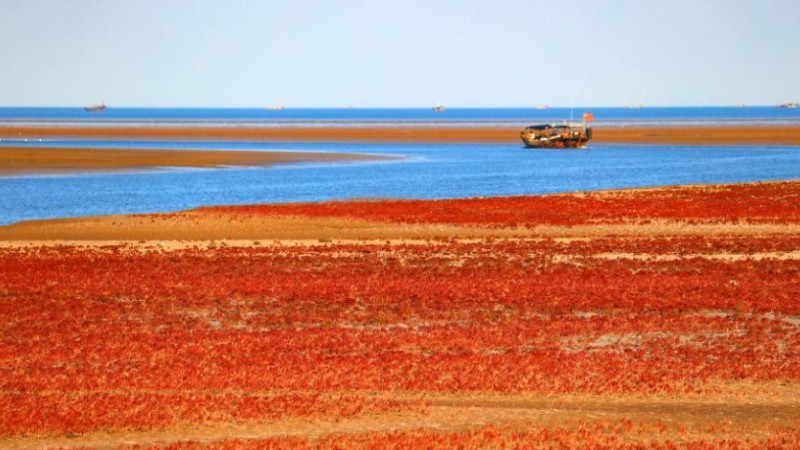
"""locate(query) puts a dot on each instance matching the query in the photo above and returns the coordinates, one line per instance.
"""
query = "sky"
(409, 53)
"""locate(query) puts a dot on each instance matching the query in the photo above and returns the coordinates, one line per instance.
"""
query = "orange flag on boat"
(588, 117)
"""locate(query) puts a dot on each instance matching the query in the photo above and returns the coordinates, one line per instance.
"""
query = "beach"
(639, 315)
(656, 314)
(400, 225)
(655, 135)
(43, 160)
(16, 159)
(400, 221)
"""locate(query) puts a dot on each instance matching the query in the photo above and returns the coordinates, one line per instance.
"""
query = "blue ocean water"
(359, 116)
(426, 171)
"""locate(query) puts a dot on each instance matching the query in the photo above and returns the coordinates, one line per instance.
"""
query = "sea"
(421, 171)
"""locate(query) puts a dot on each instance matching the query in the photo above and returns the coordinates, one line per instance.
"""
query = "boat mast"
(571, 106)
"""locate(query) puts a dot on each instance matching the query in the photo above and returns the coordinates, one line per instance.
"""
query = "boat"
(95, 108)
(275, 108)
(788, 105)
(556, 136)
(438, 108)
(542, 107)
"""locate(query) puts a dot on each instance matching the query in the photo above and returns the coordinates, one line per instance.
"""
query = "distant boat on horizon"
(636, 106)
(95, 108)
(543, 107)
(275, 108)
(791, 105)
(438, 108)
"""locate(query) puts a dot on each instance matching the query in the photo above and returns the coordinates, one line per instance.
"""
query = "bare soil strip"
(454, 412)
(243, 230)
(26, 160)
(688, 135)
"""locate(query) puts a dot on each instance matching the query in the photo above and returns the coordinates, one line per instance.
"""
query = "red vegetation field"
(751, 203)
(669, 341)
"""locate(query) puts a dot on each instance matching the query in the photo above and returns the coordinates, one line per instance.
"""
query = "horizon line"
(285, 107)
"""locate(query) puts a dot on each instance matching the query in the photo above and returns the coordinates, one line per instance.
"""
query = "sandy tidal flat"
(677, 135)
(644, 318)
(28, 160)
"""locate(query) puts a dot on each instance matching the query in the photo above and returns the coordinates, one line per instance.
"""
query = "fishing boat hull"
(556, 136)
(95, 108)
(558, 143)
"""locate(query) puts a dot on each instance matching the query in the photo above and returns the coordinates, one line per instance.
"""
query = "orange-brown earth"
(688, 135)
(754, 209)
(652, 318)
(22, 160)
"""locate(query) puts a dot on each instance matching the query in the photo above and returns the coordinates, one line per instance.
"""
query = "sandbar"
(241, 226)
(40, 160)
(656, 134)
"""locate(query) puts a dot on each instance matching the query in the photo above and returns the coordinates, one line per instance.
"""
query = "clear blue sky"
(408, 53)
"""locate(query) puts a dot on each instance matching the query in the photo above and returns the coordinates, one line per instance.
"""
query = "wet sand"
(687, 135)
(191, 229)
(248, 229)
(745, 409)
(459, 413)
(20, 159)
(28, 160)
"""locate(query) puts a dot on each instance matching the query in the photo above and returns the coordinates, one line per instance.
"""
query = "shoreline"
(17, 161)
(585, 317)
(672, 135)
(354, 220)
